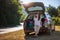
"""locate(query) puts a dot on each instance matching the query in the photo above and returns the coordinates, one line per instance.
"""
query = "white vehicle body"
(48, 17)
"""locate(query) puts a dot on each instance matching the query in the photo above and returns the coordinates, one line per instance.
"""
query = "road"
(54, 36)
(12, 29)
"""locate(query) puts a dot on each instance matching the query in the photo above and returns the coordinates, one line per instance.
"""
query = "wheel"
(53, 28)
(49, 31)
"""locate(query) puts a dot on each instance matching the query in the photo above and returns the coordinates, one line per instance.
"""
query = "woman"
(37, 23)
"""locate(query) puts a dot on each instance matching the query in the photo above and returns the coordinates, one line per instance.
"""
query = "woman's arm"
(34, 23)
(41, 23)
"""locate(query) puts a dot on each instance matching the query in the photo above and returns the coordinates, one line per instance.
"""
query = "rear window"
(30, 17)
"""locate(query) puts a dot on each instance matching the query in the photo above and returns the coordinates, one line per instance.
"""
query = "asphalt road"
(54, 36)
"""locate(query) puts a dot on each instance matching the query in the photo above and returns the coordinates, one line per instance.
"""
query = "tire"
(53, 29)
(49, 32)
(53, 26)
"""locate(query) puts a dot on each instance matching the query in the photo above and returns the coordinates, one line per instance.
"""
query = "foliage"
(57, 20)
(23, 17)
(58, 11)
(10, 13)
(55, 13)
(52, 11)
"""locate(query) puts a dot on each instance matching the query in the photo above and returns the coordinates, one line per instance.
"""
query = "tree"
(52, 11)
(58, 11)
(10, 13)
(58, 7)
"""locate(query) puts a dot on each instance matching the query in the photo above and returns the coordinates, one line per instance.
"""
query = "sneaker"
(35, 35)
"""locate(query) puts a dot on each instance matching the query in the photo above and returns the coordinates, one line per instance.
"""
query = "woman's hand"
(41, 23)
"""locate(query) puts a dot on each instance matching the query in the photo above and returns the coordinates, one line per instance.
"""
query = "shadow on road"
(54, 36)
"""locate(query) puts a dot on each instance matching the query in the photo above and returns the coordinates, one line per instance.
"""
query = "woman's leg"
(36, 29)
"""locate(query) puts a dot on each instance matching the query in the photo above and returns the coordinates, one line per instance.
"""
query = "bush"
(57, 20)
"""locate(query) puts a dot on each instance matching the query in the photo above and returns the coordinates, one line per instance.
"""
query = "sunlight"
(57, 28)
(25, 1)
(46, 2)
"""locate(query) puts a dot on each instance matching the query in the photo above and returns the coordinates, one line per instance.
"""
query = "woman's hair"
(39, 16)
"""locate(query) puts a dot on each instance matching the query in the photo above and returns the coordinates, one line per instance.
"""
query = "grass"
(17, 35)
(57, 28)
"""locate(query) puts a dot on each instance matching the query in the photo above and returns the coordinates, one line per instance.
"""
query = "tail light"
(46, 20)
(44, 30)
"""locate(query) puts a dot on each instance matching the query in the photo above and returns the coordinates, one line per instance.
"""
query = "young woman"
(37, 23)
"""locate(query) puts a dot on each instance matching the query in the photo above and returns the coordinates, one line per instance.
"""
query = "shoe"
(35, 35)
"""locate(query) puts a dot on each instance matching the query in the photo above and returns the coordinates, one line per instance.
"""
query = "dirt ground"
(54, 36)
(17, 35)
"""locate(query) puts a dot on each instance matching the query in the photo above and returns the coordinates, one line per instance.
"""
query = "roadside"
(15, 33)
(57, 28)
(12, 29)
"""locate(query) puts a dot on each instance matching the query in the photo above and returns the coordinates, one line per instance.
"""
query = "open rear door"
(33, 4)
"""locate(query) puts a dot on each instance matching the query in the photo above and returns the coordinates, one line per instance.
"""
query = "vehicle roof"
(33, 4)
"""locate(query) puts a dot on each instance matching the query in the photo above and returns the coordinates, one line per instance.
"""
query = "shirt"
(37, 22)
